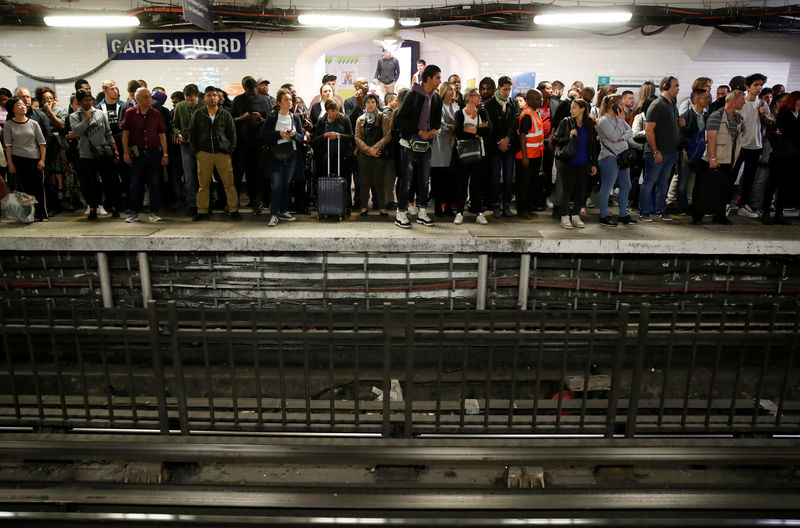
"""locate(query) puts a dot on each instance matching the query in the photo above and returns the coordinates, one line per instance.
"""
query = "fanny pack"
(417, 144)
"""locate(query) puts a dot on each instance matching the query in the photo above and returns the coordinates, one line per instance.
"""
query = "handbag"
(284, 151)
(696, 146)
(568, 150)
(469, 150)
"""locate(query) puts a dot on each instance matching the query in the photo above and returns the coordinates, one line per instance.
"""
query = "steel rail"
(305, 450)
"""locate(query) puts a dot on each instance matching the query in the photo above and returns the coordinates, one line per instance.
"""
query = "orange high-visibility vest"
(534, 139)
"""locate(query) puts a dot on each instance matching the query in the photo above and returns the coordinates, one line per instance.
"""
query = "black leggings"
(443, 186)
(88, 169)
(31, 179)
(573, 185)
(470, 174)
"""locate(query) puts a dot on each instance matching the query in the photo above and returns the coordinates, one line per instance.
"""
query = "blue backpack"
(696, 146)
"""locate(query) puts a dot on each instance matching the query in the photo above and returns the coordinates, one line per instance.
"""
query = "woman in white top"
(283, 132)
(471, 126)
(25, 148)
(442, 177)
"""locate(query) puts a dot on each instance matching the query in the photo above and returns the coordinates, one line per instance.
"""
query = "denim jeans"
(609, 175)
(189, 174)
(146, 167)
(280, 175)
(413, 163)
(502, 161)
(684, 173)
(653, 193)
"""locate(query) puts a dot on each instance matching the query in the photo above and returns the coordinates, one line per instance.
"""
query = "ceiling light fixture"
(345, 21)
(410, 22)
(580, 18)
(91, 21)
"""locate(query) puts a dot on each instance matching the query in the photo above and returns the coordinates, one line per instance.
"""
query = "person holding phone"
(613, 133)
(249, 111)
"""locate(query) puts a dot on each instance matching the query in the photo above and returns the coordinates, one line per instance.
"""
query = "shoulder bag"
(470, 150)
(285, 151)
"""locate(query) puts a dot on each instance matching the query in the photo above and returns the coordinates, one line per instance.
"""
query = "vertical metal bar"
(281, 371)
(483, 275)
(256, 365)
(144, 277)
(564, 357)
(788, 368)
(667, 367)
(524, 280)
(232, 362)
(129, 365)
(514, 361)
(539, 355)
(464, 363)
(105, 279)
(37, 390)
(331, 384)
(56, 360)
(306, 374)
(387, 368)
(638, 367)
(356, 365)
(209, 387)
(487, 404)
(616, 379)
(717, 356)
(81, 363)
(764, 362)
(744, 345)
(408, 393)
(158, 367)
(440, 366)
(104, 362)
(690, 371)
(9, 364)
(587, 373)
(177, 367)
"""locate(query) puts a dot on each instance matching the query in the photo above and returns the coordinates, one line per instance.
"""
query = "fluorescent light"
(340, 21)
(578, 18)
(410, 22)
(97, 21)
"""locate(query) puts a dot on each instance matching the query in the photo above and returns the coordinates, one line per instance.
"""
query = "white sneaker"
(577, 222)
(423, 218)
(481, 219)
(273, 221)
(549, 203)
(154, 217)
(401, 220)
(87, 211)
(102, 211)
(747, 211)
(459, 219)
(286, 217)
(133, 217)
(412, 210)
(728, 209)
(565, 223)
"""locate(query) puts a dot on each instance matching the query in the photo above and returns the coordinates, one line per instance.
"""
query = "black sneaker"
(192, 212)
(200, 216)
(627, 220)
(114, 212)
(235, 215)
(92, 214)
(608, 222)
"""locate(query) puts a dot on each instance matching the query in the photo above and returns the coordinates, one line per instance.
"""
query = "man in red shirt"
(144, 143)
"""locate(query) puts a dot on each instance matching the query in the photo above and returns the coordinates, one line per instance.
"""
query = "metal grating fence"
(401, 369)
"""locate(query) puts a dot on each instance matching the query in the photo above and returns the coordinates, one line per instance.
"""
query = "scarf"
(500, 99)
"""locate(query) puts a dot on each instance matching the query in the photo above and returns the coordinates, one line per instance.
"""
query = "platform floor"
(73, 232)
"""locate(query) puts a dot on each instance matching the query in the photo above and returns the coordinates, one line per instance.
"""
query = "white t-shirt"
(284, 123)
(469, 121)
(752, 134)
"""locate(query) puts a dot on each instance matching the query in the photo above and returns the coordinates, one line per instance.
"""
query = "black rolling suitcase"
(332, 190)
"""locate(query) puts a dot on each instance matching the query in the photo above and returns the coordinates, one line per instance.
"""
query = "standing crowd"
(429, 151)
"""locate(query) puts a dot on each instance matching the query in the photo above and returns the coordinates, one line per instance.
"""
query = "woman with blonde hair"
(442, 177)
(647, 89)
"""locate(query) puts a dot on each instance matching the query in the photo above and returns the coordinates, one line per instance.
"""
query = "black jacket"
(318, 142)
(561, 137)
(691, 129)
(504, 124)
(562, 111)
(270, 136)
(388, 70)
(406, 118)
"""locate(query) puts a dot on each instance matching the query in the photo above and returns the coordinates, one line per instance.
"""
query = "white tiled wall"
(564, 55)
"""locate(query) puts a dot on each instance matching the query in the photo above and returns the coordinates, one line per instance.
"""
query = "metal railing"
(401, 370)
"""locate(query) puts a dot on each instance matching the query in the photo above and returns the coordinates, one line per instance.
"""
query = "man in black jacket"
(504, 114)
(249, 111)
(547, 111)
(418, 120)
